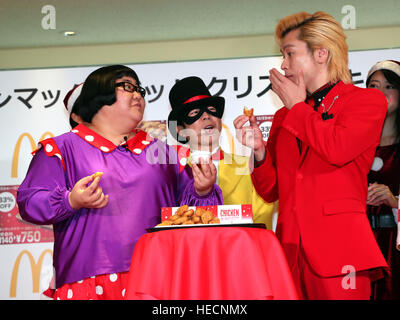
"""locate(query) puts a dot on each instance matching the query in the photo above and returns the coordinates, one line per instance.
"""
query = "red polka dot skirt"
(100, 287)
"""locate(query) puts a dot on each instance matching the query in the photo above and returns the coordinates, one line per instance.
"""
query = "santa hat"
(390, 65)
(71, 97)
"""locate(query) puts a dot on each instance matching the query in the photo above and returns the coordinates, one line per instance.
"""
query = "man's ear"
(321, 55)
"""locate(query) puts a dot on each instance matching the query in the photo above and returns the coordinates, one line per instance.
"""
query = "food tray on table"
(172, 227)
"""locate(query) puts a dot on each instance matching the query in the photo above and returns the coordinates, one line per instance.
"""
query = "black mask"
(189, 120)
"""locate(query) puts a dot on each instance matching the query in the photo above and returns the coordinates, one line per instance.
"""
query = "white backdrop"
(31, 103)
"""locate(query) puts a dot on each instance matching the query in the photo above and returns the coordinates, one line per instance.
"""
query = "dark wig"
(98, 90)
(72, 123)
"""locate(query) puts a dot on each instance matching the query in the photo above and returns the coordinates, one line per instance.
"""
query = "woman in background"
(384, 179)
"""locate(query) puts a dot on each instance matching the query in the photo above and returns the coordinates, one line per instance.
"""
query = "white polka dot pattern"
(136, 144)
(99, 290)
(183, 161)
(113, 277)
(99, 287)
(70, 294)
(89, 138)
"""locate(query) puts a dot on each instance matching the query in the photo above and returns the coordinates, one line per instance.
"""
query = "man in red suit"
(319, 151)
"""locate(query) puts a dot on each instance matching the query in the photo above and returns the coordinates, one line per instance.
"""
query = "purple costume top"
(140, 178)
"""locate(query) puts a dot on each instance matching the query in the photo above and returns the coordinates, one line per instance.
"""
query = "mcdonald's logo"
(15, 158)
(35, 268)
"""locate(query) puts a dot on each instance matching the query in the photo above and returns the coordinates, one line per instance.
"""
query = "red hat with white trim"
(71, 97)
(391, 65)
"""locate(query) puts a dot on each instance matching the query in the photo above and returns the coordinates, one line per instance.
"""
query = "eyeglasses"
(130, 87)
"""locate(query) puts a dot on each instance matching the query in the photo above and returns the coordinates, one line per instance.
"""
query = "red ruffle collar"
(135, 144)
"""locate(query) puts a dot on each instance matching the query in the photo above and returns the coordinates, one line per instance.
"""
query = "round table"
(210, 263)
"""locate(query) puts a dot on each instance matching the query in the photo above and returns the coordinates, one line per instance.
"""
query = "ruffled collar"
(135, 144)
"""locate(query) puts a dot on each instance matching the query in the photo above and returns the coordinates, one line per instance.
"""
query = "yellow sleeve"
(237, 188)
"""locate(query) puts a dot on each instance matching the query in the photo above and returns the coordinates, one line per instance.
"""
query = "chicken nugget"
(248, 112)
(165, 223)
(214, 220)
(206, 217)
(181, 210)
(188, 213)
(199, 212)
(97, 174)
(180, 220)
(173, 218)
(188, 222)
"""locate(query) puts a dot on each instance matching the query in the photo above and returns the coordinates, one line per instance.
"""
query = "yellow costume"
(234, 179)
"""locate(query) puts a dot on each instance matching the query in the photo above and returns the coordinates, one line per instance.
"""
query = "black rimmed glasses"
(130, 87)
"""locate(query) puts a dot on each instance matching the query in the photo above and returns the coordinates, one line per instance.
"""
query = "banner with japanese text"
(31, 109)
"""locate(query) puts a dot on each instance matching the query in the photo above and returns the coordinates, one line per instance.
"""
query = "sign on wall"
(31, 109)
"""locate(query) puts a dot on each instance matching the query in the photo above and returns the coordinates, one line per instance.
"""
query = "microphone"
(124, 145)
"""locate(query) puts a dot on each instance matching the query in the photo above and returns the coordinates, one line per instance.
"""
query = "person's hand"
(205, 175)
(380, 194)
(87, 193)
(250, 136)
(288, 91)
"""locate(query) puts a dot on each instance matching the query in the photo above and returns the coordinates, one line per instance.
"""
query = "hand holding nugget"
(205, 175)
(97, 174)
(87, 193)
(250, 136)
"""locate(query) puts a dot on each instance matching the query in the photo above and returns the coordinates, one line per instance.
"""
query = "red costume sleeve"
(264, 176)
(342, 141)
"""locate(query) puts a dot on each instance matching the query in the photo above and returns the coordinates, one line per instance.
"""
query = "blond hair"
(320, 30)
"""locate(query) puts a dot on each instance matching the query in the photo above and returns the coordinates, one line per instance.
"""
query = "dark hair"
(99, 90)
(71, 121)
(394, 80)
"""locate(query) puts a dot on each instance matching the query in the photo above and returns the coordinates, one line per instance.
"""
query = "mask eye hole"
(193, 113)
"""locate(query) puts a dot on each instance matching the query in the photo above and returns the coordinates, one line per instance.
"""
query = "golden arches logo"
(36, 267)
(15, 158)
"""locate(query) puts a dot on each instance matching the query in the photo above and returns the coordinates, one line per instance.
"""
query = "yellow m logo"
(15, 159)
(35, 267)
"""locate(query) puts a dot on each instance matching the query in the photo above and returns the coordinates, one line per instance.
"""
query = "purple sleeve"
(191, 198)
(186, 193)
(43, 196)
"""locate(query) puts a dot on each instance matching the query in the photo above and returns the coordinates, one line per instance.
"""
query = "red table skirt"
(210, 263)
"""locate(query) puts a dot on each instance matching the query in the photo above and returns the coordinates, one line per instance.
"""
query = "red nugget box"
(227, 214)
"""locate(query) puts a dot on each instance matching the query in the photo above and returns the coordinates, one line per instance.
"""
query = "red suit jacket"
(322, 192)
